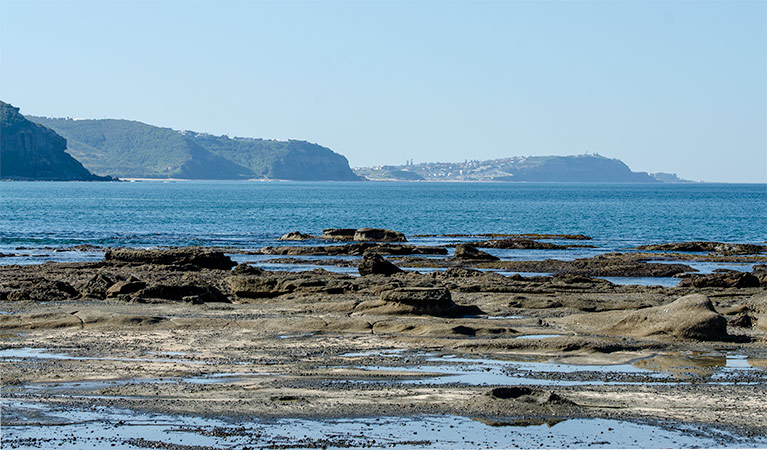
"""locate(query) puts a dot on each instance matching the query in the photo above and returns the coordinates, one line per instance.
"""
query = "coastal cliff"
(133, 149)
(29, 151)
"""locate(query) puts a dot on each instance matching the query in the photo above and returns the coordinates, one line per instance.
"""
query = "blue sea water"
(251, 214)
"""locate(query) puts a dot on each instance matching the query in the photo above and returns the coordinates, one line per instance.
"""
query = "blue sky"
(665, 86)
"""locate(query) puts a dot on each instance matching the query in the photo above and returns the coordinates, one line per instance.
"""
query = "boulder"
(188, 292)
(760, 272)
(417, 301)
(374, 264)
(720, 280)
(246, 269)
(742, 320)
(295, 236)
(378, 235)
(526, 394)
(689, 317)
(432, 299)
(255, 286)
(97, 286)
(757, 307)
(466, 251)
(195, 256)
(125, 287)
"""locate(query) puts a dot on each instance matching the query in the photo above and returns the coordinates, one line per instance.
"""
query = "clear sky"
(665, 86)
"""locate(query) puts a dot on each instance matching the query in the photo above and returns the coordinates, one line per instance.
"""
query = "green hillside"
(133, 149)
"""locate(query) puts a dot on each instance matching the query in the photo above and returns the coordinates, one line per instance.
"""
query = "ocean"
(39, 218)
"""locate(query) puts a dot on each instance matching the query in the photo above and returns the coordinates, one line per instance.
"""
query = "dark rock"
(574, 279)
(464, 330)
(608, 265)
(196, 256)
(760, 272)
(363, 234)
(357, 249)
(705, 246)
(313, 262)
(374, 264)
(274, 284)
(721, 280)
(42, 290)
(126, 287)
(256, 287)
(378, 235)
(424, 301)
(34, 152)
(462, 272)
(741, 320)
(466, 251)
(97, 286)
(246, 269)
(528, 395)
(518, 244)
(509, 392)
(296, 236)
(338, 234)
(192, 292)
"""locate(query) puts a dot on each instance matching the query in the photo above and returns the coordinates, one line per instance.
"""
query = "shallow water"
(15, 354)
(705, 267)
(539, 336)
(100, 427)
(669, 369)
(644, 281)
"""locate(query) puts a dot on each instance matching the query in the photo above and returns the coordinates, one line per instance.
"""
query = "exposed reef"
(186, 331)
(706, 246)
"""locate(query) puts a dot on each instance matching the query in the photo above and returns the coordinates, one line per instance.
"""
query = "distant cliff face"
(133, 149)
(29, 151)
(281, 160)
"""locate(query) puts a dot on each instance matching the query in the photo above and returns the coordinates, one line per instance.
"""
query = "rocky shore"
(190, 332)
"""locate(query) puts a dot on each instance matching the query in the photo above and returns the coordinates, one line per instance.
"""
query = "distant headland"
(130, 149)
(42, 148)
(29, 151)
(577, 168)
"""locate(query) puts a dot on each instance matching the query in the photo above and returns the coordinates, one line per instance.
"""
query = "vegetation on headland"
(576, 168)
(131, 149)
